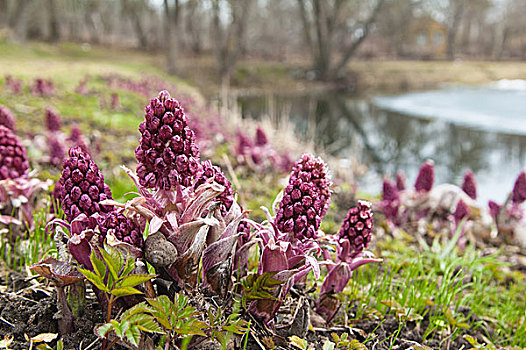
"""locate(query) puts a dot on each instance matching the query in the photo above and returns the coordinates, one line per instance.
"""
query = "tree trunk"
(228, 40)
(171, 16)
(3, 13)
(458, 10)
(54, 32)
(18, 21)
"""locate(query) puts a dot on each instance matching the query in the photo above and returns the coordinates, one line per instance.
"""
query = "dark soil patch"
(30, 311)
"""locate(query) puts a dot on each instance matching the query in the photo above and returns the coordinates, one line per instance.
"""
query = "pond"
(478, 128)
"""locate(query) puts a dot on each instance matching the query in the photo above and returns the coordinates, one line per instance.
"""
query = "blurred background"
(387, 82)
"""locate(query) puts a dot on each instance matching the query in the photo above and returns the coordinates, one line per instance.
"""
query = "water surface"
(482, 129)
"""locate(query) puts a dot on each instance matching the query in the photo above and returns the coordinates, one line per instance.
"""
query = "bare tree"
(133, 9)
(229, 36)
(171, 20)
(18, 20)
(323, 22)
(54, 31)
(4, 8)
(455, 11)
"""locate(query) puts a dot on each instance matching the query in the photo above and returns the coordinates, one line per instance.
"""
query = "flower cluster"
(77, 140)
(83, 186)
(43, 87)
(53, 120)
(7, 118)
(167, 153)
(210, 171)
(306, 198)
(13, 84)
(426, 177)
(357, 227)
(13, 156)
(353, 239)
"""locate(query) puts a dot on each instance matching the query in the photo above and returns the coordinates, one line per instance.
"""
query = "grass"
(446, 291)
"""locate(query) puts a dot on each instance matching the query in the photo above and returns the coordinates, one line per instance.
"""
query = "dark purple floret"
(124, 229)
(77, 140)
(57, 152)
(469, 185)
(494, 209)
(211, 171)
(400, 181)
(357, 227)
(261, 137)
(14, 162)
(83, 186)
(306, 198)
(461, 212)
(518, 194)
(53, 121)
(390, 192)
(7, 118)
(426, 177)
(167, 154)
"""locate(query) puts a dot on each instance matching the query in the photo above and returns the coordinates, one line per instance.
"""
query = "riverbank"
(255, 76)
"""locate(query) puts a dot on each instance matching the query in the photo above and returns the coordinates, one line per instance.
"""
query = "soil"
(26, 308)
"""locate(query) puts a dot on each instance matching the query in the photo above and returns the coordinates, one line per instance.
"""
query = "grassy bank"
(427, 290)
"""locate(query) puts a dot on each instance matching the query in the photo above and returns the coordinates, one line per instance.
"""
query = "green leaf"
(98, 265)
(298, 342)
(134, 280)
(113, 265)
(150, 326)
(134, 335)
(117, 328)
(95, 279)
(104, 329)
(328, 345)
(120, 292)
(128, 268)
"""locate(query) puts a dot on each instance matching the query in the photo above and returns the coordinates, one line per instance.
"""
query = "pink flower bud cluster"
(7, 118)
(211, 171)
(53, 121)
(83, 186)
(43, 87)
(13, 84)
(357, 227)
(306, 198)
(167, 154)
(14, 162)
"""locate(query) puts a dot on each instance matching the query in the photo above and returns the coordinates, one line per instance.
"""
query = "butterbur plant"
(7, 118)
(189, 206)
(351, 242)
(18, 187)
(288, 241)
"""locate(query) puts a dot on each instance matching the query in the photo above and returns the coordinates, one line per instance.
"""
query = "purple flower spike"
(124, 229)
(7, 118)
(13, 156)
(77, 140)
(261, 137)
(518, 194)
(390, 192)
(83, 186)
(426, 177)
(306, 198)
(167, 154)
(57, 151)
(469, 185)
(211, 171)
(494, 209)
(356, 228)
(400, 181)
(461, 212)
(53, 121)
